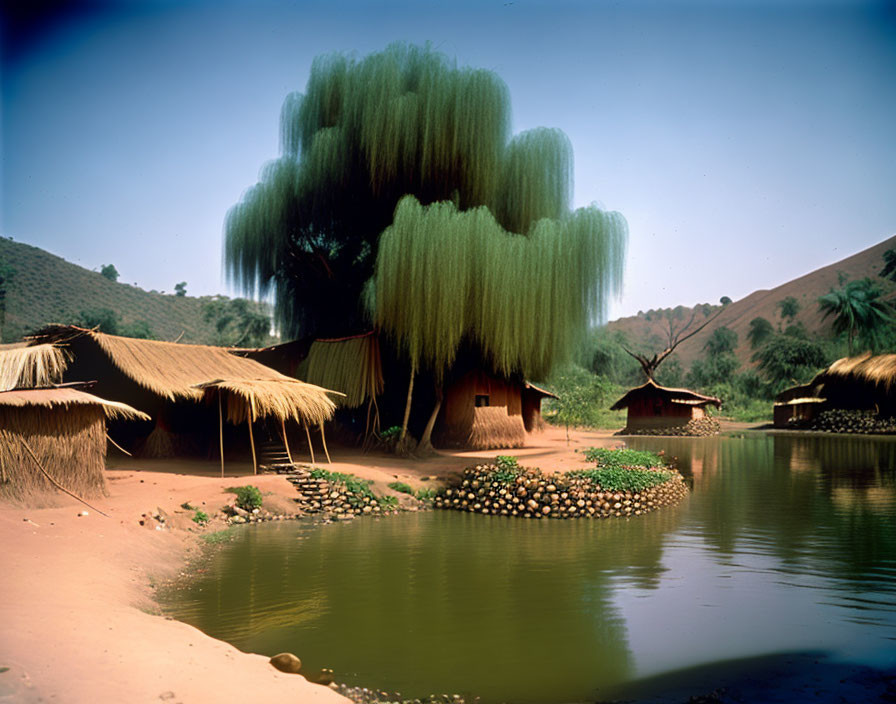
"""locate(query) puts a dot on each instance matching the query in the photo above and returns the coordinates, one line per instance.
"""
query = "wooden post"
(324, 441)
(310, 446)
(221, 432)
(252, 445)
(285, 441)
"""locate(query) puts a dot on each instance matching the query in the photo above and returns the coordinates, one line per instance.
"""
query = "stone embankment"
(853, 421)
(697, 428)
(490, 490)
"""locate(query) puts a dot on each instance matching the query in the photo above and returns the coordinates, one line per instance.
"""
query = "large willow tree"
(487, 251)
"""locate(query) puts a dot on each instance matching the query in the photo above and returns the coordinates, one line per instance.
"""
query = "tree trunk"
(425, 445)
(404, 441)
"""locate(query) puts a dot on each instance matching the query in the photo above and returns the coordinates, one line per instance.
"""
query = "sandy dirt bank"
(78, 620)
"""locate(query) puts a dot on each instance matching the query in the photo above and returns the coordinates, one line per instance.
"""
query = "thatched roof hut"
(30, 366)
(652, 407)
(171, 380)
(54, 435)
(866, 382)
(483, 411)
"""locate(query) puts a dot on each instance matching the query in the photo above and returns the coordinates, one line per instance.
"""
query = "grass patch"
(622, 458)
(402, 487)
(622, 478)
(349, 481)
(218, 537)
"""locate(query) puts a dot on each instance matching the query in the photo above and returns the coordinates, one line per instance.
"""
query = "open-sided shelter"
(654, 407)
(165, 379)
(54, 439)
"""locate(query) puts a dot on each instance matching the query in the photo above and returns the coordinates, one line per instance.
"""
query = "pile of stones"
(840, 420)
(363, 695)
(323, 495)
(489, 489)
(696, 428)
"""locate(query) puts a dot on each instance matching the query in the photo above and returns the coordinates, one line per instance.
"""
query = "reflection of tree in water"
(512, 609)
(821, 504)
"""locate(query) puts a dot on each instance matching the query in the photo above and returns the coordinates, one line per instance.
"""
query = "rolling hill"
(46, 289)
(738, 314)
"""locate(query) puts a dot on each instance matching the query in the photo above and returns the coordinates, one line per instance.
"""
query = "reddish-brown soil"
(79, 623)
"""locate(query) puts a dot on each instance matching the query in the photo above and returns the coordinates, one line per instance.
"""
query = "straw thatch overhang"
(651, 390)
(863, 382)
(67, 398)
(169, 370)
(29, 366)
(538, 391)
(290, 399)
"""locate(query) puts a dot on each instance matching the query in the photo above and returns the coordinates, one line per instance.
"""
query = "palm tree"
(760, 331)
(858, 311)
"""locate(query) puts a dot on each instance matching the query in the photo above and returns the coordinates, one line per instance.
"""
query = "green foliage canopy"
(445, 276)
(760, 331)
(859, 312)
(109, 271)
(407, 121)
(787, 360)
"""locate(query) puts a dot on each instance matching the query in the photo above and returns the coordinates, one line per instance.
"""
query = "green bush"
(200, 517)
(352, 483)
(426, 494)
(622, 458)
(388, 502)
(402, 487)
(247, 497)
(623, 478)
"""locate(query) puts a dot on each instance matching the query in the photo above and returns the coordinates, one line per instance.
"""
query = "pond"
(786, 544)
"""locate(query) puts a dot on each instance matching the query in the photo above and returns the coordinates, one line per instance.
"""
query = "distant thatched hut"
(655, 408)
(797, 406)
(863, 383)
(166, 379)
(60, 431)
(482, 411)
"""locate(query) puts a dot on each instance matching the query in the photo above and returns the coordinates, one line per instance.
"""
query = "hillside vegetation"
(650, 327)
(42, 288)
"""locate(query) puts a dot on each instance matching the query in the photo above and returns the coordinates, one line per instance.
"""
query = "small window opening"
(481, 400)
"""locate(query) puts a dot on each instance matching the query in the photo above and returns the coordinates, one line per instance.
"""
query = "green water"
(786, 544)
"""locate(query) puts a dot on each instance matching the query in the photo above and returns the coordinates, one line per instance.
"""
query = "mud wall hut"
(54, 437)
(654, 407)
(482, 411)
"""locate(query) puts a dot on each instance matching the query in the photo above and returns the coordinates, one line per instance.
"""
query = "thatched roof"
(879, 370)
(168, 369)
(805, 393)
(29, 366)
(350, 364)
(650, 389)
(66, 399)
(281, 399)
(538, 391)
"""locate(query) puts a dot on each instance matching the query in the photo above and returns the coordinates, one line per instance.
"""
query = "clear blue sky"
(746, 143)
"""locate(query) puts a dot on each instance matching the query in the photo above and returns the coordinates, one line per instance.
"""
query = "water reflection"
(786, 543)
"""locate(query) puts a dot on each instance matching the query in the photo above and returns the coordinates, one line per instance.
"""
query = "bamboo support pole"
(57, 484)
(221, 432)
(310, 446)
(252, 445)
(285, 441)
(324, 441)
(109, 438)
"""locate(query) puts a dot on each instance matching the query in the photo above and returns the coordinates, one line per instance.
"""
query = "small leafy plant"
(402, 487)
(388, 502)
(247, 497)
(200, 517)
(604, 457)
(351, 483)
(508, 468)
(426, 494)
(623, 479)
